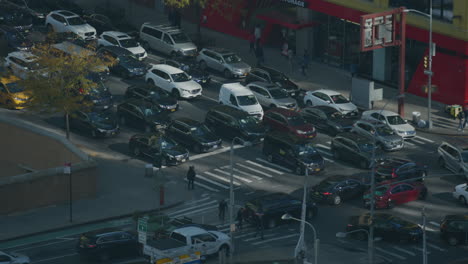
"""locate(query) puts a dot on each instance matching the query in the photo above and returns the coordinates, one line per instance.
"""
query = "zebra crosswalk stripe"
(220, 178)
(243, 172)
(234, 175)
(257, 237)
(204, 186)
(264, 167)
(436, 247)
(192, 207)
(390, 253)
(196, 211)
(213, 182)
(425, 139)
(405, 251)
(274, 165)
(323, 146)
(255, 170)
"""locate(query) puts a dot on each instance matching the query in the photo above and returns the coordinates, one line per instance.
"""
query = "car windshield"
(165, 143)
(339, 99)
(249, 121)
(247, 100)
(180, 77)
(159, 94)
(75, 21)
(180, 38)
(101, 117)
(200, 130)
(296, 121)
(395, 120)
(278, 76)
(366, 147)
(306, 149)
(278, 93)
(384, 131)
(151, 111)
(128, 43)
(231, 58)
(464, 155)
(14, 87)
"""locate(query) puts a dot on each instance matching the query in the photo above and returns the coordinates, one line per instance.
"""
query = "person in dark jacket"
(191, 174)
(259, 54)
(222, 209)
(305, 62)
(240, 217)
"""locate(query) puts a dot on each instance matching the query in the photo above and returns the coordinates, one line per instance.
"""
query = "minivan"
(453, 155)
(292, 152)
(238, 96)
(167, 39)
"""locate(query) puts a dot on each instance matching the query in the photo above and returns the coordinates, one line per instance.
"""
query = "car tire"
(227, 74)
(441, 162)
(336, 154)
(122, 120)
(202, 65)
(175, 93)
(462, 199)
(197, 149)
(363, 164)
(271, 223)
(309, 103)
(335, 200)
(299, 171)
(390, 204)
(50, 28)
(136, 151)
(270, 158)
(453, 241)
(150, 82)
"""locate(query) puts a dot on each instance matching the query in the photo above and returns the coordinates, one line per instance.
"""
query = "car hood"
(185, 46)
(82, 28)
(392, 138)
(26, 43)
(402, 127)
(22, 95)
(136, 50)
(176, 151)
(260, 129)
(208, 138)
(108, 124)
(239, 66)
(286, 101)
(344, 122)
(252, 109)
(134, 64)
(287, 84)
(221, 236)
(348, 107)
(189, 85)
(311, 158)
(167, 101)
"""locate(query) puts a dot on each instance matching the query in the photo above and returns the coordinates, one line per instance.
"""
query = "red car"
(388, 195)
(285, 120)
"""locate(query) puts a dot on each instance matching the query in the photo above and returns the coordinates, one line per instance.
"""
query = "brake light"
(91, 246)
(393, 173)
(327, 193)
(349, 225)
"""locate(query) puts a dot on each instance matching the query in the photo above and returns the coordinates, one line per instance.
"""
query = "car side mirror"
(328, 101)
(169, 80)
(65, 24)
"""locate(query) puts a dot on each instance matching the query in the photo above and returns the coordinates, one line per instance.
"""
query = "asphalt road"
(253, 174)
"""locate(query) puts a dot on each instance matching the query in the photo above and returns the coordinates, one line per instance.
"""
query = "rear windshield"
(278, 94)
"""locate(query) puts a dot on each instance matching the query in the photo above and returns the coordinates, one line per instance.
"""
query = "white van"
(238, 96)
(167, 39)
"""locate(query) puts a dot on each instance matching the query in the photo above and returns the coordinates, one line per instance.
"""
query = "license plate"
(317, 169)
(173, 110)
(311, 136)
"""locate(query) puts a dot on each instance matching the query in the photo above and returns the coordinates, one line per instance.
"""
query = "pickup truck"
(187, 240)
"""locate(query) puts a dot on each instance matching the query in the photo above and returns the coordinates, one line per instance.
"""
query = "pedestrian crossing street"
(250, 172)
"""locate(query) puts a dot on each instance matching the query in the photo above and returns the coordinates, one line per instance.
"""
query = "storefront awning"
(275, 17)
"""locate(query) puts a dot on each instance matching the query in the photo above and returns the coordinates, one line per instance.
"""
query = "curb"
(88, 223)
(425, 130)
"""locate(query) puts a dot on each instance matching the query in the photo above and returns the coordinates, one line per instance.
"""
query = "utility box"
(363, 93)
(416, 117)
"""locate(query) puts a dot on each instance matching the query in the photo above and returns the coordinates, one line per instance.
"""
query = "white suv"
(22, 63)
(120, 39)
(173, 80)
(66, 21)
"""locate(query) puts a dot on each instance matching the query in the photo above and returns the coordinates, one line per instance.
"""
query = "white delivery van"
(240, 97)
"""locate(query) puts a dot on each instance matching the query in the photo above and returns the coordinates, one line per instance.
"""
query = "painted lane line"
(415, 140)
(234, 175)
(38, 246)
(249, 193)
(436, 247)
(209, 98)
(405, 251)
(220, 178)
(264, 167)
(213, 182)
(323, 146)
(255, 170)
(221, 150)
(390, 253)
(242, 172)
(328, 142)
(193, 207)
(273, 239)
(425, 139)
(202, 210)
(257, 237)
(58, 257)
(434, 223)
(196, 201)
(204, 186)
(420, 249)
(274, 165)
(428, 228)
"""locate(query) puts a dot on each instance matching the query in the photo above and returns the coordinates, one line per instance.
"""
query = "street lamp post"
(429, 71)
(231, 192)
(316, 241)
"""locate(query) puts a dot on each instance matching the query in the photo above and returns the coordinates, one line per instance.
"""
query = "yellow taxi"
(11, 94)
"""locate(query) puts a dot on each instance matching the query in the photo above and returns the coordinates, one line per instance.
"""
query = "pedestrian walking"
(240, 217)
(290, 60)
(222, 209)
(191, 174)
(305, 62)
(257, 32)
(461, 120)
(259, 54)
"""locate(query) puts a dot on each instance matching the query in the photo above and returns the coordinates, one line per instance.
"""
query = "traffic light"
(426, 62)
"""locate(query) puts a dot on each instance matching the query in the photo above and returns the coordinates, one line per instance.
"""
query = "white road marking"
(404, 250)
(193, 207)
(196, 211)
(205, 186)
(213, 182)
(415, 140)
(264, 167)
(221, 150)
(273, 165)
(258, 237)
(38, 246)
(209, 98)
(434, 223)
(328, 142)
(58, 257)
(249, 193)
(323, 146)
(197, 201)
(420, 249)
(428, 228)
(220, 178)
(409, 143)
(234, 175)
(247, 174)
(436, 247)
(425, 139)
(255, 170)
(273, 239)
(390, 253)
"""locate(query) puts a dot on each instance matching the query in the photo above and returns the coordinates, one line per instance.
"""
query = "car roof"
(237, 88)
(234, 112)
(371, 122)
(65, 13)
(167, 68)
(355, 137)
(8, 79)
(327, 92)
(163, 27)
(265, 85)
(188, 121)
(382, 112)
(117, 50)
(117, 34)
(190, 231)
(23, 55)
(221, 51)
(138, 102)
(283, 111)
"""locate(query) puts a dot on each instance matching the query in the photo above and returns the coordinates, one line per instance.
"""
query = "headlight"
(132, 70)
(301, 132)
(205, 144)
(95, 101)
(401, 132)
(101, 130)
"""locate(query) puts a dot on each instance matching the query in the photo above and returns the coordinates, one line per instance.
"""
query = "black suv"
(108, 243)
(335, 189)
(230, 122)
(191, 68)
(328, 119)
(386, 226)
(142, 114)
(400, 169)
(96, 124)
(193, 134)
(293, 152)
(154, 95)
(269, 75)
(275, 205)
(126, 65)
(454, 229)
(355, 148)
(162, 150)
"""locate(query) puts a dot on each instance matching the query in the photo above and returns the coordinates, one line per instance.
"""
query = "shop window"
(441, 9)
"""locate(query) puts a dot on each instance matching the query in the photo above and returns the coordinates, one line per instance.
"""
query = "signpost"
(142, 229)
(67, 170)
